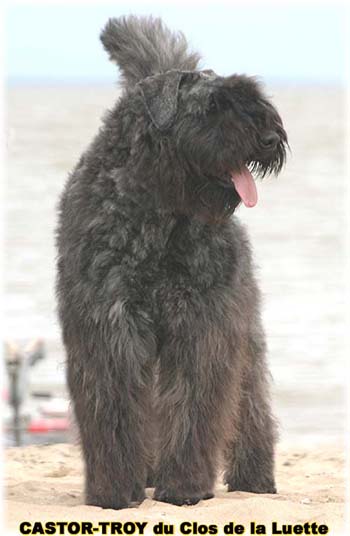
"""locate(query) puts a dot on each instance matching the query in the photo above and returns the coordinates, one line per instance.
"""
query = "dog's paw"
(171, 497)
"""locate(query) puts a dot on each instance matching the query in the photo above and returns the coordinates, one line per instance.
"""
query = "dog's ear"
(160, 95)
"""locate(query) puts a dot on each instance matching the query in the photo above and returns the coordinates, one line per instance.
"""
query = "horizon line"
(12, 81)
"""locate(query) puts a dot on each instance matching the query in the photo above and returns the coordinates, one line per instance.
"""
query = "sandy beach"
(45, 483)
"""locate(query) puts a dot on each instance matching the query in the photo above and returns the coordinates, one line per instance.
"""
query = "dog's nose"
(270, 139)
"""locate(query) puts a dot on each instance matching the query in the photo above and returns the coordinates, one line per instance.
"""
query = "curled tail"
(143, 46)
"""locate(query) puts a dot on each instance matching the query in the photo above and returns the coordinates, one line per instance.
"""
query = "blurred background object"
(31, 417)
(59, 84)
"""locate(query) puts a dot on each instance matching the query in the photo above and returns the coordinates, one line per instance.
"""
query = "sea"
(297, 229)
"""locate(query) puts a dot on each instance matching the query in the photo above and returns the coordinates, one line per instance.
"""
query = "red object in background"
(40, 426)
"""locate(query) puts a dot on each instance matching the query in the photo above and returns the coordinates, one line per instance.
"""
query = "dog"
(157, 298)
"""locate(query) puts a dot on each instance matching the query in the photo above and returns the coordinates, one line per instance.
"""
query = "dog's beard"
(215, 200)
(268, 166)
(219, 196)
(212, 197)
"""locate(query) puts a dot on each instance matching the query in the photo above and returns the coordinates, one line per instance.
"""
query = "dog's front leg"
(110, 378)
(250, 455)
(196, 399)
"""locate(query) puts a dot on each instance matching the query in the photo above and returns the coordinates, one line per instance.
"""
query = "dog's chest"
(181, 252)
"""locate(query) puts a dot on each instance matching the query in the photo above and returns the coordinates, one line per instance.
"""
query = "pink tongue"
(245, 186)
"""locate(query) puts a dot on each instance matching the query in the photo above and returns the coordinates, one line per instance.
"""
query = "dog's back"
(143, 46)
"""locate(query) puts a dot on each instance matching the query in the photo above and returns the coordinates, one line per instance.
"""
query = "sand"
(45, 483)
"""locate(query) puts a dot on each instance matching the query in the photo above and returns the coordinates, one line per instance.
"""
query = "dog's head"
(217, 131)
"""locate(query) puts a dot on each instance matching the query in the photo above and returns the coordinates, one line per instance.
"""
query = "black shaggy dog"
(157, 299)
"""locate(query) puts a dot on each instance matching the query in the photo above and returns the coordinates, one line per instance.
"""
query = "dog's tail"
(143, 46)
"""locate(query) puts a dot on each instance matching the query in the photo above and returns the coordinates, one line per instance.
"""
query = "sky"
(286, 42)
